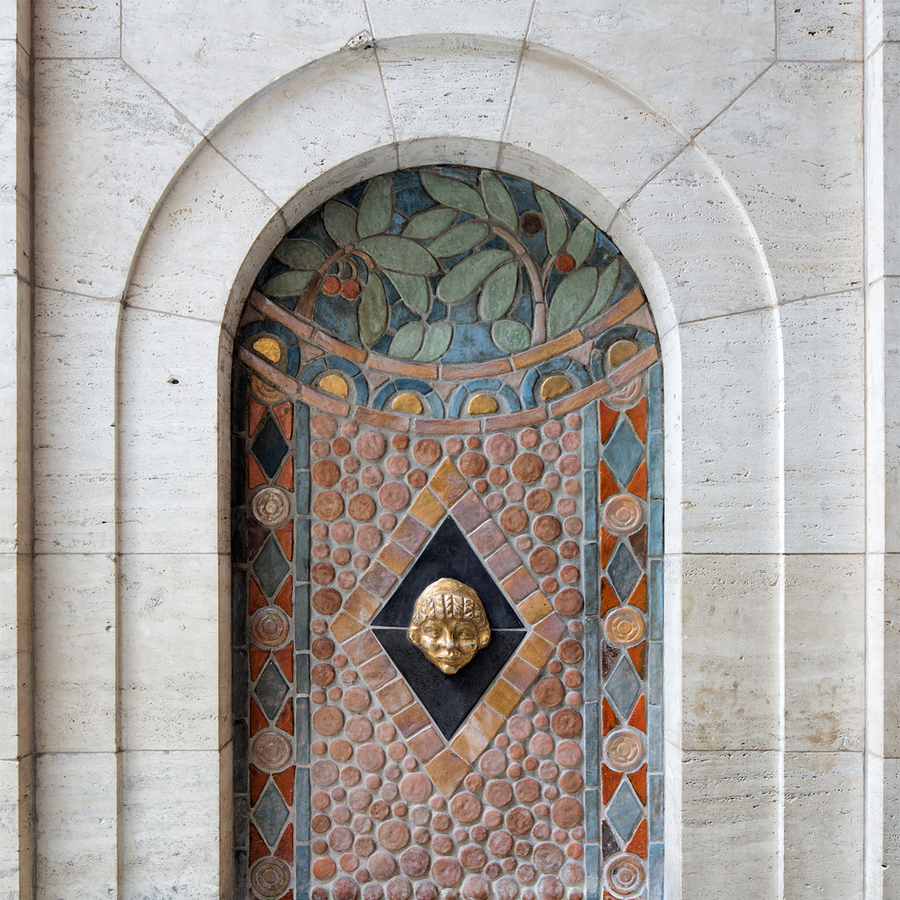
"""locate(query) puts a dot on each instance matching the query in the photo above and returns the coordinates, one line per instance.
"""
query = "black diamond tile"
(623, 571)
(447, 555)
(623, 450)
(271, 813)
(270, 447)
(448, 698)
(270, 566)
(271, 689)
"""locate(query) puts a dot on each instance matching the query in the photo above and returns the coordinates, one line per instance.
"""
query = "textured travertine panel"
(69, 28)
(448, 86)
(731, 434)
(76, 806)
(207, 58)
(730, 638)
(891, 655)
(14, 212)
(215, 210)
(875, 198)
(892, 415)
(9, 828)
(891, 76)
(677, 212)
(820, 29)
(297, 129)
(824, 351)
(118, 159)
(13, 298)
(824, 652)
(170, 494)
(891, 827)
(503, 18)
(74, 485)
(169, 677)
(629, 141)
(791, 147)
(689, 66)
(9, 662)
(730, 835)
(169, 812)
(75, 652)
(823, 811)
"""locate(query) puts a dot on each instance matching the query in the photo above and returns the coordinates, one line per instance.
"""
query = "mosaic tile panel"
(448, 373)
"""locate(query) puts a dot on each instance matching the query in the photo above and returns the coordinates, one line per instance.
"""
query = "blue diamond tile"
(623, 686)
(624, 450)
(270, 814)
(270, 447)
(271, 689)
(623, 571)
(625, 810)
(270, 566)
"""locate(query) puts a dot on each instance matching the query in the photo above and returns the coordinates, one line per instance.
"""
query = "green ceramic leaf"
(582, 242)
(452, 192)
(429, 224)
(498, 201)
(400, 254)
(373, 310)
(459, 239)
(571, 299)
(605, 287)
(407, 340)
(466, 276)
(340, 223)
(287, 284)
(375, 208)
(511, 336)
(413, 290)
(554, 219)
(498, 292)
(300, 254)
(437, 340)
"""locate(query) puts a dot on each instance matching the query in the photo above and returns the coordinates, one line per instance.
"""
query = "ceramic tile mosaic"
(448, 373)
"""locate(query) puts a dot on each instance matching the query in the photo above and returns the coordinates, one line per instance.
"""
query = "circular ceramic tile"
(271, 507)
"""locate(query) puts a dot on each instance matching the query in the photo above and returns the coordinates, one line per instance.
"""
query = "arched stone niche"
(448, 373)
(239, 195)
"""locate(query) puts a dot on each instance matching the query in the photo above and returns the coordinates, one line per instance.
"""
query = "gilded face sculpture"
(449, 624)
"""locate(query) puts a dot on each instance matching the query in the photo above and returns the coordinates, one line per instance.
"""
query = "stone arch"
(240, 192)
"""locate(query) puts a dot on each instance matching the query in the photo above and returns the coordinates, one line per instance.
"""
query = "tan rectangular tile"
(447, 483)
(485, 720)
(427, 509)
(447, 770)
(344, 627)
(534, 607)
(394, 696)
(469, 744)
(503, 697)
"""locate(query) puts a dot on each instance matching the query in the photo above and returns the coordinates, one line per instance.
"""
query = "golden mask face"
(449, 625)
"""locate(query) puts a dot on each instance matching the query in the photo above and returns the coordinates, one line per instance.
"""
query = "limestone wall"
(734, 152)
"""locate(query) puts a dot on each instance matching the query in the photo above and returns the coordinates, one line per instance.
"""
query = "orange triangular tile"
(258, 848)
(258, 719)
(608, 485)
(608, 598)
(285, 782)
(639, 783)
(284, 413)
(258, 781)
(285, 849)
(638, 844)
(255, 413)
(286, 478)
(285, 658)
(284, 598)
(607, 420)
(638, 657)
(638, 416)
(257, 601)
(639, 545)
(638, 485)
(258, 658)
(285, 537)
(610, 783)
(609, 718)
(286, 719)
(255, 475)
(608, 543)
(607, 895)
(638, 718)
(639, 597)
